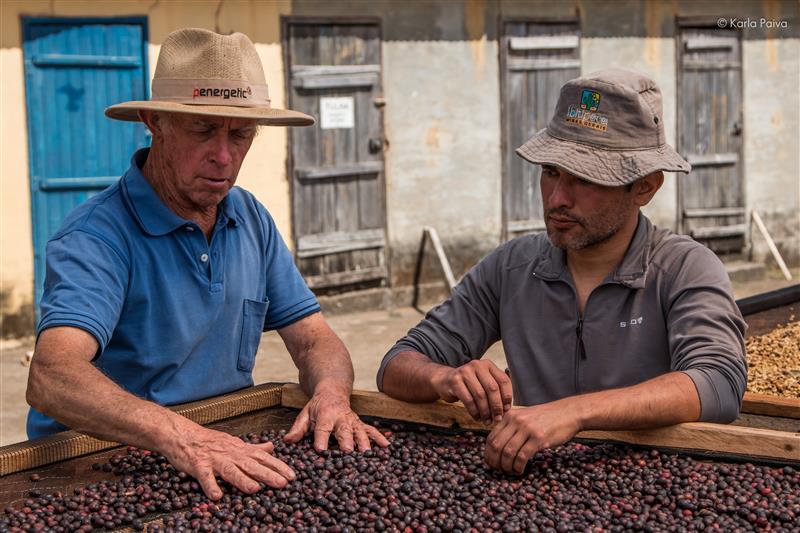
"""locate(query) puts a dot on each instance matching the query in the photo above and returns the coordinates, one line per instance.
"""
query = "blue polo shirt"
(177, 318)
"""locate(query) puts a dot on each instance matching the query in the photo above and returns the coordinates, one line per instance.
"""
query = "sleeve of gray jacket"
(463, 327)
(706, 334)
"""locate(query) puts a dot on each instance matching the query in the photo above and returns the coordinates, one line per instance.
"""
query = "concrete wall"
(772, 142)
(264, 170)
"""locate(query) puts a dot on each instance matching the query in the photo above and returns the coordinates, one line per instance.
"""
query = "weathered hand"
(523, 432)
(327, 413)
(205, 453)
(484, 389)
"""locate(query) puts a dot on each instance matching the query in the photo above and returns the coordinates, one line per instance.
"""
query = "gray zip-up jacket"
(667, 307)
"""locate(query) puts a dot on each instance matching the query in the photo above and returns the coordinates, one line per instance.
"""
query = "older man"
(607, 321)
(158, 289)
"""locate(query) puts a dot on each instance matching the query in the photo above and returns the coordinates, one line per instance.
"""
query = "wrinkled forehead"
(208, 121)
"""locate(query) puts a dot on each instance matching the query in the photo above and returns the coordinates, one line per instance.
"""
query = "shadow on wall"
(17, 322)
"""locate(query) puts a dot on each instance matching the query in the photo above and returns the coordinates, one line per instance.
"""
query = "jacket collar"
(153, 216)
(631, 272)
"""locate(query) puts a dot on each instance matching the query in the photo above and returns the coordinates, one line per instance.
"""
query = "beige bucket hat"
(203, 72)
(608, 128)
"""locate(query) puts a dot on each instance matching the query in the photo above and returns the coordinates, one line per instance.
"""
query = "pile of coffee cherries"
(430, 482)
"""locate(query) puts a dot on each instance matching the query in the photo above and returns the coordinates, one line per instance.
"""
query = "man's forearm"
(322, 360)
(665, 400)
(326, 367)
(410, 376)
(78, 395)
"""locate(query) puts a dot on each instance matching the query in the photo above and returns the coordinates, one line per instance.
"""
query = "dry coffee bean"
(773, 362)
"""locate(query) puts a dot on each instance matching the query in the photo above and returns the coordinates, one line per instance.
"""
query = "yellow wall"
(264, 170)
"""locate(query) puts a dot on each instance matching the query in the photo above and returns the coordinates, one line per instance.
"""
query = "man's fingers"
(233, 474)
(492, 390)
(509, 452)
(479, 396)
(496, 442)
(463, 394)
(506, 388)
(266, 447)
(275, 473)
(275, 464)
(361, 438)
(209, 484)
(300, 427)
(376, 436)
(344, 436)
(524, 454)
(322, 435)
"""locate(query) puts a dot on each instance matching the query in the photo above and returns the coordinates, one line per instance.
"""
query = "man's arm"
(441, 356)
(65, 385)
(326, 376)
(665, 400)
(484, 389)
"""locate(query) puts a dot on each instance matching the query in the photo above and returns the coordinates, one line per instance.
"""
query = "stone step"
(740, 271)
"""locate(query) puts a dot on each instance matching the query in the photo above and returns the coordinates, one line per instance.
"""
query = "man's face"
(579, 214)
(203, 155)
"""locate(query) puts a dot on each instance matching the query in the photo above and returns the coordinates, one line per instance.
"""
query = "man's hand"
(205, 453)
(525, 431)
(484, 389)
(327, 413)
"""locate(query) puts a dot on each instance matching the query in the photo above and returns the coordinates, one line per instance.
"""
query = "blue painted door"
(74, 69)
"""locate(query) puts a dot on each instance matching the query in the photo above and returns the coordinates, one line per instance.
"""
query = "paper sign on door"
(336, 112)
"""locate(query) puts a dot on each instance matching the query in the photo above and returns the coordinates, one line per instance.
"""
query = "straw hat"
(608, 128)
(205, 73)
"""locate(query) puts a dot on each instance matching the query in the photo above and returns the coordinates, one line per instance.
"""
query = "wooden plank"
(335, 82)
(696, 436)
(703, 64)
(710, 42)
(433, 235)
(335, 171)
(341, 247)
(543, 42)
(762, 404)
(310, 71)
(771, 244)
(707, 160)
(715, 232)
(533, 63)
(715, 212)
(334, 279)
(68, 184)
(328, 243)
(86, 61)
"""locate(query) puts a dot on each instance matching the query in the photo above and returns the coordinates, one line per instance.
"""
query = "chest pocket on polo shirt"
(255, 313)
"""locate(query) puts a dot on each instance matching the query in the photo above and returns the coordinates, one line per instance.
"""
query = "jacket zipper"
(579, 333)
(580, 352)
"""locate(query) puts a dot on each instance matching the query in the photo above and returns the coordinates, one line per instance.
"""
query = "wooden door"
(74, 69)
(338, 206)
(537, 58)
(711, 198)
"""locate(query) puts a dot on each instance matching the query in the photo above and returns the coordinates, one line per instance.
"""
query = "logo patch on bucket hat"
(585, 115)
(590, 100)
